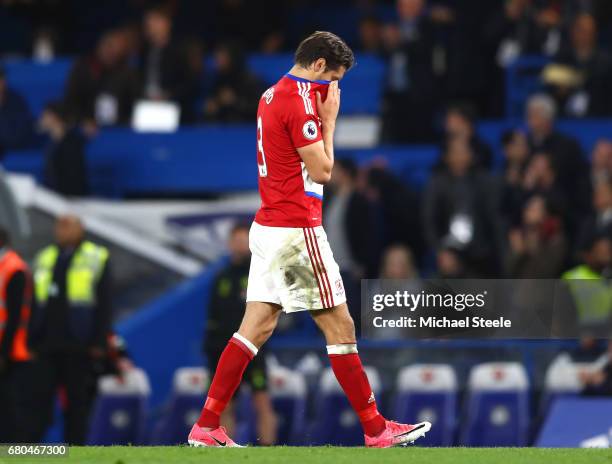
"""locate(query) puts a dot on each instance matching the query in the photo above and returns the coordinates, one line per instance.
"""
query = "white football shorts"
(293, 267)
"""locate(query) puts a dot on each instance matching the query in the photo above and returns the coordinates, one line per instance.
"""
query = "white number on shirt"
(261, 163)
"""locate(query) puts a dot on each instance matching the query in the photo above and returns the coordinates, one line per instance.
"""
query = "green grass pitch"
(321, 455)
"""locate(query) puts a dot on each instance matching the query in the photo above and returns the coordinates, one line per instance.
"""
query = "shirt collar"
(301, 79)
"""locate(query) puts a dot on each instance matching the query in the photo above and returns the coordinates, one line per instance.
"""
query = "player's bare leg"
(257, 325)
(339, 331)
(259, 322)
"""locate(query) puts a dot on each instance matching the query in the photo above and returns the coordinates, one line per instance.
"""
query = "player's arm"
(319, 156)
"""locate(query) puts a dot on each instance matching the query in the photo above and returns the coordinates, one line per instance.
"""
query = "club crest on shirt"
(310, 130)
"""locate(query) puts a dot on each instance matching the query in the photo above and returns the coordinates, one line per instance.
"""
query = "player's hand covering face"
(328, 109)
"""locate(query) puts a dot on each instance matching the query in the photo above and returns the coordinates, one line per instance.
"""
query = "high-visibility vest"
(592, 294)
(83, 275)
(11, 263)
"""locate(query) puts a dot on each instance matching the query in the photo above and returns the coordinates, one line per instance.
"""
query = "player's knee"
(338, 329)
(259, 334)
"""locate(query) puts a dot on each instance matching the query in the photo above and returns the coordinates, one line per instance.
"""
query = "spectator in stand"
(459, 59)
(460, 211)
(260, 28)
(540, 178)
(65, 166)
(459, 124)
(348, 222)
(586, 95)
(398, 263)
(101, 88)
(15, 118)
(516, 155)
(516, 30)
(235, 91)
(165, 69)
(537, 249)
(601, 161)
(410, 90)
(350, 228)
(600, 221)
(451, 264)
(598, 382)
(370, 35)
(395, 209)
(564, 152)
(519, 27)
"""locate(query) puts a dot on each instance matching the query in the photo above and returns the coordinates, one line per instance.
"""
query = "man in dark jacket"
(15, 118)
(410, 87)
(65, 166)
(564, 151)
(165, 71)
(101, 88)
(459, 211)
(459, 124)
(591, 98)
(348, 223)
(70, 326)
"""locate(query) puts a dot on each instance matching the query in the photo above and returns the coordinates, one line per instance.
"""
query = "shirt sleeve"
(303, 122)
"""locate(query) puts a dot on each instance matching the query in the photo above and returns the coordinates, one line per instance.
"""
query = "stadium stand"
(428, 392)
(335, 422)
(120, 412)
(497, 406)
(183, 406)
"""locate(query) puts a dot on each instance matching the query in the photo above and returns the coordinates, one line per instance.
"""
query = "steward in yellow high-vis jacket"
(71, 320)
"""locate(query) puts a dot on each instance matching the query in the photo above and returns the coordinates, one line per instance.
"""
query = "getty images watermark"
(485, 308)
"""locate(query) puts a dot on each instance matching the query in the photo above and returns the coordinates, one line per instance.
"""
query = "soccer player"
(292, 267)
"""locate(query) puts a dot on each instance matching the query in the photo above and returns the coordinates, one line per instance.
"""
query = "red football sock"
(232, 363)
(352, 378)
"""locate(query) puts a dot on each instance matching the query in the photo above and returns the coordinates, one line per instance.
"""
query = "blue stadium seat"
(122, 162)
(412, 163)
(362, 87)
(497, 406)
(120, 410)
(25, 162)
(184, 406)
(428, 392)
(270, 68)
(38, 82)
(335, 421)
(288, 392)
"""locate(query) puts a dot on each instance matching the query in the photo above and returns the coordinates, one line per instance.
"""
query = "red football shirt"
(287, 120)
